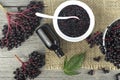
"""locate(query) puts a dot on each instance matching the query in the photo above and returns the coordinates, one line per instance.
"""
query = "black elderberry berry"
(105, 70)
(91, 72)
(97, 58)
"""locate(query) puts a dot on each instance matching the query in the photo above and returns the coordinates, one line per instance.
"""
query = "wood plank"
(59, 75)
(14, 2)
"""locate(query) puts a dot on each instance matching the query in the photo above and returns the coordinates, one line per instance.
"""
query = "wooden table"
(8, 63)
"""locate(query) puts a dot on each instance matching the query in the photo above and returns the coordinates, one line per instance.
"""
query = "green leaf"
(74, 63)
(70, 72)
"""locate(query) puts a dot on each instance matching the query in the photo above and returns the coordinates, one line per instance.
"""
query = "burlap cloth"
(105, 11)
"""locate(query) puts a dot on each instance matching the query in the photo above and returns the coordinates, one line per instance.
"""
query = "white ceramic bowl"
(84, 6)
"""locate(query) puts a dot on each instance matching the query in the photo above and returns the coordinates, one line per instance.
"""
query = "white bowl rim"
(88, 10)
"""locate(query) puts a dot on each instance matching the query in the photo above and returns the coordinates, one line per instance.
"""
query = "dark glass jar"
(50, 39)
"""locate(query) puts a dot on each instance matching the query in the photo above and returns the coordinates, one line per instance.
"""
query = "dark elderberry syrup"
(74, 27)
(50, 39)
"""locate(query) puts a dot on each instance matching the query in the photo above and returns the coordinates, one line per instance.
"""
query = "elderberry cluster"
(30, 69)
(21, 25)
(112, 43)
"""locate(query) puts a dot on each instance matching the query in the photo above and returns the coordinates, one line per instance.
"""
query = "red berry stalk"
(24, 64)
(21, 25)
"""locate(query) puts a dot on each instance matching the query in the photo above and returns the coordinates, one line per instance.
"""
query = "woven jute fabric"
(105, 11)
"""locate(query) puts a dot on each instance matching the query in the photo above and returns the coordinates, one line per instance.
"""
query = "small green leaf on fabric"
(75, 62)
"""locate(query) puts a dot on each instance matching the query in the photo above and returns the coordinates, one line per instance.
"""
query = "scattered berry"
(97, 59)
(117, 76)
(91, 72)
(105, 70)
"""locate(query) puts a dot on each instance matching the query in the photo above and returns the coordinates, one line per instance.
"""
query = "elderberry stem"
(9, 27)
(23, 63)
(17, 13)
(116, 28)
(17, 24)
(27, 10)
(96, 34)
(19, 59)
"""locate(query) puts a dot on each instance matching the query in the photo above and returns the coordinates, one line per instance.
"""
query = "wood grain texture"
(59, 75)
(15, 2)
